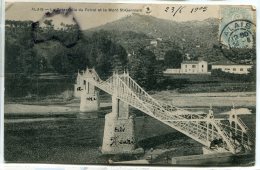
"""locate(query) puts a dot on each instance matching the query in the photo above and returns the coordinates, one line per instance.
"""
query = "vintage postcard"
(117, 83)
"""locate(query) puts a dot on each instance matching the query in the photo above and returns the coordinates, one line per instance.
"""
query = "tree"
(105, 55)
(62, 63)
(173, 59)
(142, 68)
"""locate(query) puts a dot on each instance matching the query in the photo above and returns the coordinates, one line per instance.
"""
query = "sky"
(87, 18)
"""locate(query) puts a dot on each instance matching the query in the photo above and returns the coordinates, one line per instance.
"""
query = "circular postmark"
(237, 41)
(238, 34)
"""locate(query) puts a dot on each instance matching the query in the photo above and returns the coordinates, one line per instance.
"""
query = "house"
(233, 68)
(190, 67)
(194, 67)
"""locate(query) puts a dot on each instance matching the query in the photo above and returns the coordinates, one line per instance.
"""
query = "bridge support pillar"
(89, 98)
(119, 135)
(89, 102)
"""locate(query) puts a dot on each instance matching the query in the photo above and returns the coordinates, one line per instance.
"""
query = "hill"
(195, 38)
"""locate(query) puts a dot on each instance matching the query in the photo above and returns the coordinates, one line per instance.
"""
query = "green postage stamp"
(237, 26)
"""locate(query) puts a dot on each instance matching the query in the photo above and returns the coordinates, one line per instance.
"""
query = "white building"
(233, 68)
(194, 67)
(154, 43)
(172, 71)
(190, 67)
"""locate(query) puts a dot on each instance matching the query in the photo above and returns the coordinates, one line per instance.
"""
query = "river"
(75, 139)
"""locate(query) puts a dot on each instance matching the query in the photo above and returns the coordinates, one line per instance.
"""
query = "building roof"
(232, 65)
(192, 62)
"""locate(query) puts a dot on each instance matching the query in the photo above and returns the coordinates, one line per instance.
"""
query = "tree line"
(32, 50)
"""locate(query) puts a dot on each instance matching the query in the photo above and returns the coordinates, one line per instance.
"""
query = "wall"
(190, 68)
(203, 67)
(172, 71)
(236, 69)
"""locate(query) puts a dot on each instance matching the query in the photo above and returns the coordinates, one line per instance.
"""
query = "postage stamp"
(237, 27)
(118, 83)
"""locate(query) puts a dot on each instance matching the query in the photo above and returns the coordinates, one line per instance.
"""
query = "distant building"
(172, 71)
(190, 67)
(233, 68)
(194, 67)
(154, 43)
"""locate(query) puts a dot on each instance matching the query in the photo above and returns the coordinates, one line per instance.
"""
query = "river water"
(76, 139)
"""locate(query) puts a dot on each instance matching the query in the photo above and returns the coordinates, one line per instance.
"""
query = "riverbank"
(48, 109)
(239, 99)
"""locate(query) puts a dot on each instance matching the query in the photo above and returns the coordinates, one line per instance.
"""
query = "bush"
(233, 77)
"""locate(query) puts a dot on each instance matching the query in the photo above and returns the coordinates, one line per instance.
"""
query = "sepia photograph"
(130, 84)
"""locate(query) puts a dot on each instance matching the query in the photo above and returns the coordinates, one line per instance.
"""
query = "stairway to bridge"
(224, 135)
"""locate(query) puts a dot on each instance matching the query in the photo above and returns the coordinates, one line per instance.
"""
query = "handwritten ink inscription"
(79, 89)
(203, 9)
(174, 10)
(91, 98)
(181, 9)
(120, 129)
(115, 141)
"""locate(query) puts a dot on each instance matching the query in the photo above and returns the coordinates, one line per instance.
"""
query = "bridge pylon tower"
(119, 134)
(89, 99)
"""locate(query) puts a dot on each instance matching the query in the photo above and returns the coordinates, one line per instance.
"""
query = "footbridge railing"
(200, 126)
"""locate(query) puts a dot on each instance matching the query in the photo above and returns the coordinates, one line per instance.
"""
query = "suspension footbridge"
(224, 135)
